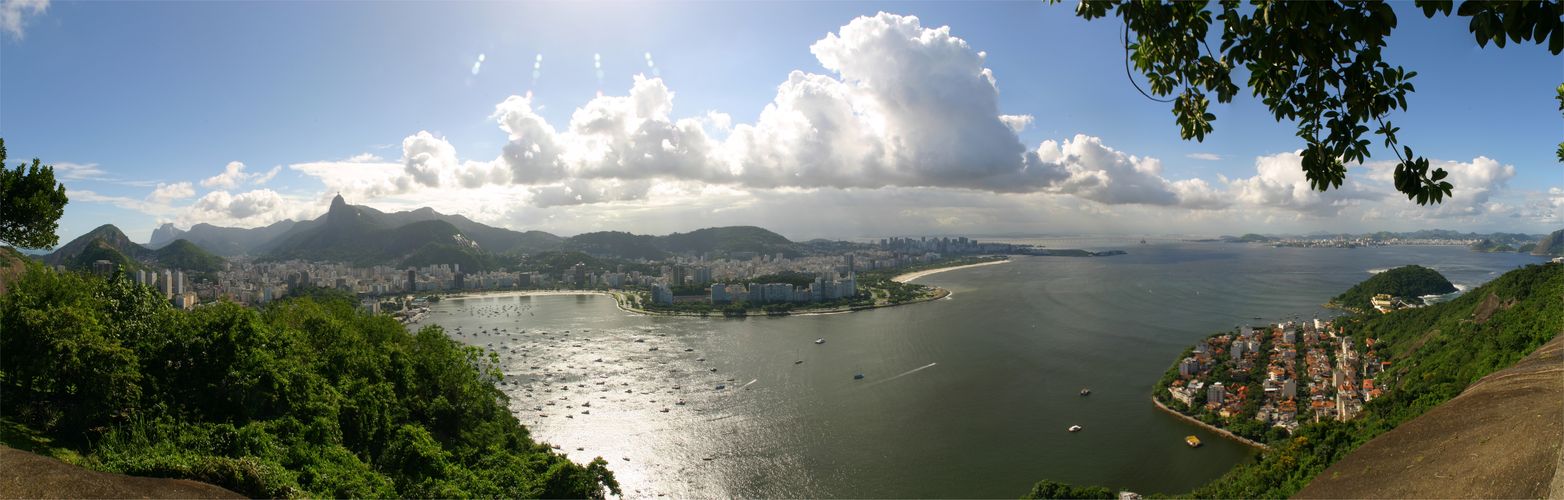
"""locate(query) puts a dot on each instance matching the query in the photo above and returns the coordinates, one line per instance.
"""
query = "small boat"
(1086, 392)
(799, 362)
(820, 341)
(1075, 428)
(858, 377)
(1192, 441)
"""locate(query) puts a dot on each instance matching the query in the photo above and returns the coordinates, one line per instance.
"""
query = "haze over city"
(842, 120)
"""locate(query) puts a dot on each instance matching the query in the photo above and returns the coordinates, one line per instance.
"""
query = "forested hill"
(108, 243)
(714, 241)
(1435, 353)
(307, 398)
(1406, 282)
(105, 237)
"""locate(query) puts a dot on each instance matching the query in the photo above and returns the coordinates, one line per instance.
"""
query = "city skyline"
(644, 122)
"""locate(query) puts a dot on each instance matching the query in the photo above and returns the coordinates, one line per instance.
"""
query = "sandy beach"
(903, 278)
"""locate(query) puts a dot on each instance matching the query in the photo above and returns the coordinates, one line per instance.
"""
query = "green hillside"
(100, 249)
(714, 241)
(98, 242)
(726, 240)
(182, 254)
(308, 398)
(615, 244)
(351, 234)
(1406, 282)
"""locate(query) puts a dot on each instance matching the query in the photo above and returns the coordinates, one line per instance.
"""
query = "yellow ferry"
(1193, 441)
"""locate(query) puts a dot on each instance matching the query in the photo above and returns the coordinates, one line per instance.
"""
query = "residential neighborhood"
(1260, 382)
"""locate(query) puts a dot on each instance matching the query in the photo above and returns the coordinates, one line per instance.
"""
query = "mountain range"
(365, 236)
(109, 243)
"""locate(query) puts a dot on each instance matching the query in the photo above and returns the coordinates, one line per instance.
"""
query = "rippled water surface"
(964, 397)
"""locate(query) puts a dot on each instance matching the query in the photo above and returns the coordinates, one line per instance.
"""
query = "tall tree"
(31, 204)
(1317, 63)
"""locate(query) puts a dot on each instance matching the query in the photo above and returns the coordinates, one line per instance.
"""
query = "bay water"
(968, 396)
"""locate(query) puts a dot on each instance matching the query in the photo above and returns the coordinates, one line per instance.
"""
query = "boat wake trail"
(908, 372)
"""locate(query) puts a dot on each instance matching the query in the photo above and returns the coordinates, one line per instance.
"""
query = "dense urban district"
(397, 262)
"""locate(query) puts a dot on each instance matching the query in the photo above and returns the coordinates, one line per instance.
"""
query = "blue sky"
(130, 95)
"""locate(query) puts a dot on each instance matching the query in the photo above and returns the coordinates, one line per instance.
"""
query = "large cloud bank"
(904, 108)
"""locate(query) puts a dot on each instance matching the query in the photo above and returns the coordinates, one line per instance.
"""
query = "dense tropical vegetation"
(308, 397)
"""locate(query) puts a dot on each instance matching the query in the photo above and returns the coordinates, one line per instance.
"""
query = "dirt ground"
(27, 475)
(1501, 438)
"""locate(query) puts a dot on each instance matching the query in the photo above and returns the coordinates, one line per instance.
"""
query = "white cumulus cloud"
(165, 193)
(14, 14)
(233, 175)
(247, 209)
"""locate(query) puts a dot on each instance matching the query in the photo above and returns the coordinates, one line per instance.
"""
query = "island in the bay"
(399, 261)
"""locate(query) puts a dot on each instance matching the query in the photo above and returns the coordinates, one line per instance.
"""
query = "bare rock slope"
(28, 475)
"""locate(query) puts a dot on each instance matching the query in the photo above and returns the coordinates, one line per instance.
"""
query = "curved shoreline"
(906, 277)
(939, 293)
(621, 297)
(1218, 430)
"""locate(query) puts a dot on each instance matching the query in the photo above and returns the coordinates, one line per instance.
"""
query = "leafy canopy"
(1317, 63)
(307, 398)
(31, 204)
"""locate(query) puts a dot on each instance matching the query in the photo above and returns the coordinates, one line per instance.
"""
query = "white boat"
(1075, 428)
(820, 341)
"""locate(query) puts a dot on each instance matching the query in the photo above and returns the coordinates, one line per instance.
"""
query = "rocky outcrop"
(28, 475)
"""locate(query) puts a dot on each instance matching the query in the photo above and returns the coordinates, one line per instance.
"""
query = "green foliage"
(306, 398)
(31, 204)
(1407, 282)
(1317, 64)
(1052, 489)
